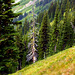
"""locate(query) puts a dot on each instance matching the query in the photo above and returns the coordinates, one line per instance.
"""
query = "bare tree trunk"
(19, 66)
(44, 55)
(33, 42)
(55, 48)
(73, 26)
(34, 58)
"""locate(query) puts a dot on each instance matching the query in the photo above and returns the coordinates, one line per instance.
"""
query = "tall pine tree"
(8, 50)
(44, 37)
(26, 26)
(66, 31)
(55, 28)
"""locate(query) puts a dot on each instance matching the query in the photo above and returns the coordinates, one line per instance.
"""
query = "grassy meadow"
(62, 63)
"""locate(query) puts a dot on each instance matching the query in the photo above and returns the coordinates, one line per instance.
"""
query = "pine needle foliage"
(44, 37)
(8, 50)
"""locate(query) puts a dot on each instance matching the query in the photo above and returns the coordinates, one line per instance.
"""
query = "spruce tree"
(66, 31)
(25, 49)
(19, 45)
(26, 26)
(8, 50)
(44, 37)
(40, 17)
(55, 28)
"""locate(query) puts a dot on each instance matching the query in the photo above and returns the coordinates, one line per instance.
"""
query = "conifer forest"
(37, 37)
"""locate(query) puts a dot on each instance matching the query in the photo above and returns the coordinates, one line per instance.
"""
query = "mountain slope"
(25, 4)
(25, 7)
(62, 63)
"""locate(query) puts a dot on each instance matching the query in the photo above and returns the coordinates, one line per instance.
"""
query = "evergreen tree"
(55, 28)
(62, 9)
(73, 5)
(44, 36)
(25, 50)
(51, 10)
(25, 43)
(51, 17)
(40, 17)
(8, 50)
(26, 26)
(21, 43)
(66, 31)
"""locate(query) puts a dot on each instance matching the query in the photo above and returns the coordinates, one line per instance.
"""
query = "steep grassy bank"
(62, 63)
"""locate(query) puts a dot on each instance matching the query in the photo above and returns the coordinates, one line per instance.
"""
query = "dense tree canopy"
(44, 35)
(8, 50)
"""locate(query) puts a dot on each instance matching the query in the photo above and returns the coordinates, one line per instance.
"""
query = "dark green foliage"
(40, 18)
(51, 17)
(25, 50)
(42, 3)
(55, 29)
(21, 43)
(45, 2)
(66, 35)
(44, 36)
(62, 7)
(51, 10)
(8, 50)
(25, 27)
(66, 31)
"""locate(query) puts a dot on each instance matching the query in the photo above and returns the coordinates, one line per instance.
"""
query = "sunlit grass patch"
(62, 63)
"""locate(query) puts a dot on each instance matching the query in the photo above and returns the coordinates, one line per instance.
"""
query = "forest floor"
(62, 63)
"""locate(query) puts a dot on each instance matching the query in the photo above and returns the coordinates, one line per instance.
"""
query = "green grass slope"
(62, 63)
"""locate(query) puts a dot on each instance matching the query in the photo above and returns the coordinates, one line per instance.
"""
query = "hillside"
(62, 63)
(25, 7)
(27, 4)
